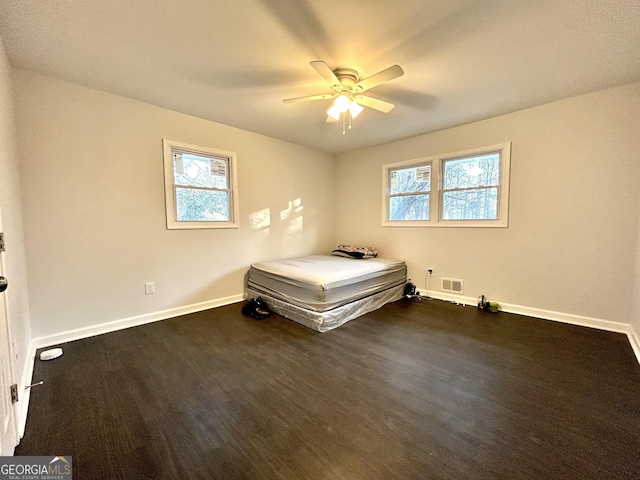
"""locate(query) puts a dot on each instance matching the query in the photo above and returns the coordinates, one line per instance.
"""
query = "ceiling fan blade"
(374, 103)
(308, 98)
(378, 78)
(326, 73)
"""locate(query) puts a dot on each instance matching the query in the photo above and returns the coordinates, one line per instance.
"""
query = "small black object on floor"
(256, 308)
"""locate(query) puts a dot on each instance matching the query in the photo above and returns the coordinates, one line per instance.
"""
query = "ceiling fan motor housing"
(348, 77)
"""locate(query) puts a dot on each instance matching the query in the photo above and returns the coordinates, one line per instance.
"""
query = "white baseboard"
(107, 327)
(634, 339)
(85, 332)
(80, 333)
(583, 321)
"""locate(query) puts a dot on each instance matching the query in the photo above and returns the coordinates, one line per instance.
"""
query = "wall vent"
(453, 285)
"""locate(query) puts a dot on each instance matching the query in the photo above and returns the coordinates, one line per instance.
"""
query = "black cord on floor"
(426, 282)
(419, 297)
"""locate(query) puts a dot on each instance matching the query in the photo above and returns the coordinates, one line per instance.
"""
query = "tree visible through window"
(199, 186)
(202, 188)
(469, 188)
(409, 193)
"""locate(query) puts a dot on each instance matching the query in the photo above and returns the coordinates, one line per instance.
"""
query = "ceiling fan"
(347, 91)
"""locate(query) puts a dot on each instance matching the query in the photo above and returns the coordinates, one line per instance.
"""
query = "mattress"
(321, 283)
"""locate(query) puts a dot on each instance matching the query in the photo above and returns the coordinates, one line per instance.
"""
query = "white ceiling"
(234, 62)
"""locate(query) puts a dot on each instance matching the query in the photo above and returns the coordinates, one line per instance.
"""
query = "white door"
(8, 430)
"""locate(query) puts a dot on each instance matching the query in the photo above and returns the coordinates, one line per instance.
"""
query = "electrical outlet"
(430, 271)
(149, 288)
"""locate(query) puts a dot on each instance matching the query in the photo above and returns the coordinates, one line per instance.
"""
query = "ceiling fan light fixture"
(355, 109)
(346, 87)
(334, 113)
(342, 103)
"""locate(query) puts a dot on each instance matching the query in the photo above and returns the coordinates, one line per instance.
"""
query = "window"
(200, 187)
(409, 189)
(469, 189)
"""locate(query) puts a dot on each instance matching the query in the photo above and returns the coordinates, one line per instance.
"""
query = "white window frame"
(168, 148)
(415, 163)
(436, 192)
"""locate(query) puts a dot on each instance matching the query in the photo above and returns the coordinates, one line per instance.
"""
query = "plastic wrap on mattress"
(328, 320)
(321, 282)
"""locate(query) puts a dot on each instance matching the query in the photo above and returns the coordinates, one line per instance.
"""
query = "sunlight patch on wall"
(295, 208)
(291, 220)
(261, 220)
(295, 225)
(292, 217)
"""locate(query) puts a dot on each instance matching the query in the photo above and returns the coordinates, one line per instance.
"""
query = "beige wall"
(573, 228)
(11, 214)
(91, 170)
(94, 216)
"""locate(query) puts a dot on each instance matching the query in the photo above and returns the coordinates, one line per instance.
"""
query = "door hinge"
(2, 242)
(14, 393)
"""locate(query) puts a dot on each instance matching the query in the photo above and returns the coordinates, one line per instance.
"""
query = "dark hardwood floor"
(415, 390)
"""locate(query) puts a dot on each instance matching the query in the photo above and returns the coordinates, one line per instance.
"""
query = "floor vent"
(453, 285)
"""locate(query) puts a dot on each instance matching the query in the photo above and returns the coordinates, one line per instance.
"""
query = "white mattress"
(323, 282)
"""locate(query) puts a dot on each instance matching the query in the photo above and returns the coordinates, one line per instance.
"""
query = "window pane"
(469, 172)
(409, 207)
(200, 171)
(480, 204)
(409, 180)
(202, 205)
